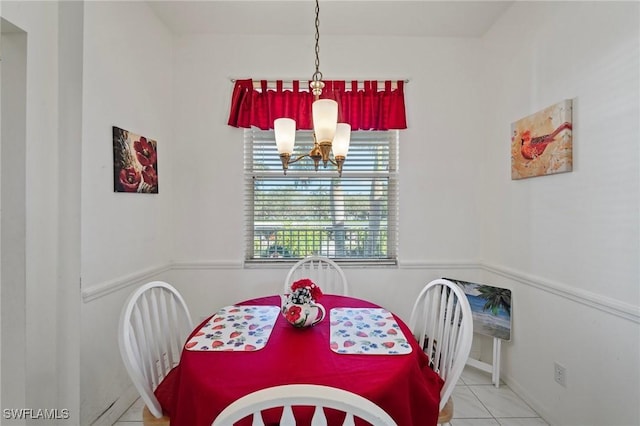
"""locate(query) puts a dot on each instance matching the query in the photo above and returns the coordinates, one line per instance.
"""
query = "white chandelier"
(329, 136)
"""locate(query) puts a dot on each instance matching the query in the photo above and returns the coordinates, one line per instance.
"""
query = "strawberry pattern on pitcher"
(366, 331)
(236, 328)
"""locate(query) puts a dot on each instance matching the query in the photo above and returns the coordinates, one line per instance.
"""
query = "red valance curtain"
(364, 108)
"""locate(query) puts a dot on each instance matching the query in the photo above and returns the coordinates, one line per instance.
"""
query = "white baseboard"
(119, 407)
(531, 401)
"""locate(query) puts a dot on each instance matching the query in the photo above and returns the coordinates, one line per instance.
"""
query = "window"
(352, 218)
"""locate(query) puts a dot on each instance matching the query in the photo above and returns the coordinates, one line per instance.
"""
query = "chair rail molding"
(593, 300)
(587, 298)
(97, 291)
(440, 264)
(209, 264)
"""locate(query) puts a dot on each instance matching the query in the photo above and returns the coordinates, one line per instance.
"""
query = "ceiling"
(425, 18)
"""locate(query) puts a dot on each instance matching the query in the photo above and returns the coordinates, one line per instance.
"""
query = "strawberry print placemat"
(366, 331)
(236, 328)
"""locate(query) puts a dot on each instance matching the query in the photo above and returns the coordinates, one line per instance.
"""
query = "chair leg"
(446, 414)
(148, 419)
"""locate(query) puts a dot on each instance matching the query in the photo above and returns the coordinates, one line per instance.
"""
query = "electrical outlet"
(560, 374)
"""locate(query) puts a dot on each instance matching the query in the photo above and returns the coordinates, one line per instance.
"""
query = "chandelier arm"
(298, 158)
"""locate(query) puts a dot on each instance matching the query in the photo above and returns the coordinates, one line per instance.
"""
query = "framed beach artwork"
(135, 162)
(542, 143)
(490, 308)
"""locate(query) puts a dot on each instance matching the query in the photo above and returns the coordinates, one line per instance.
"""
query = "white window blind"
(352, 218)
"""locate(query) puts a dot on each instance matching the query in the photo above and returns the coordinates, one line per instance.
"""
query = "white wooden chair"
(317, 396)
(154, 324)
(323, 271)
(442, 323)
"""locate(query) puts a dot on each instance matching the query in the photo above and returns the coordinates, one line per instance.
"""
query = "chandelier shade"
(325, 119)
(285, 135)
(341, 140)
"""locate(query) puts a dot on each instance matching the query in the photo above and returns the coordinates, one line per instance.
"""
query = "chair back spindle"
(154, 323)
(289, 396)
(442, 323)
(323, 271)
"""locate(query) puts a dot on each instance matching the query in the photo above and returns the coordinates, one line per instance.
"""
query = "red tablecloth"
(206, 382)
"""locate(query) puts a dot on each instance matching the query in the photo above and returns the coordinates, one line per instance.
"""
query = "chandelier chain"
(330, 139)
(317, 76)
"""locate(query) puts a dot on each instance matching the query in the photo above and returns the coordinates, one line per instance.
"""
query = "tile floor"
(476, 403)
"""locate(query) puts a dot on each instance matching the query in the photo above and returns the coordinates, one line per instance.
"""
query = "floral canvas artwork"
(542, 143)
(135, 162)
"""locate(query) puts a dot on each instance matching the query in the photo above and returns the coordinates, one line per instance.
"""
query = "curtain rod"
(406, 80)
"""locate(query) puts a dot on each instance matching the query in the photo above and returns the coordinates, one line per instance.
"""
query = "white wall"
(455, 188)
(42, 282)
(13, 224)
(594, 61)
(127, 82)
(437, 163)
(1, 310)
(574, 270)
(70, 71)
(568, 244)
(438, 167)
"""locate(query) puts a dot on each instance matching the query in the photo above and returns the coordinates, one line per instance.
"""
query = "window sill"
(344, 263)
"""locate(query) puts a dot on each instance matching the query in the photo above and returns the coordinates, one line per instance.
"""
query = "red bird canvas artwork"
(541, 144)
(533, 147)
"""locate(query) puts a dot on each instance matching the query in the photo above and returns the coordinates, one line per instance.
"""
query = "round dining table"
(207, 381)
